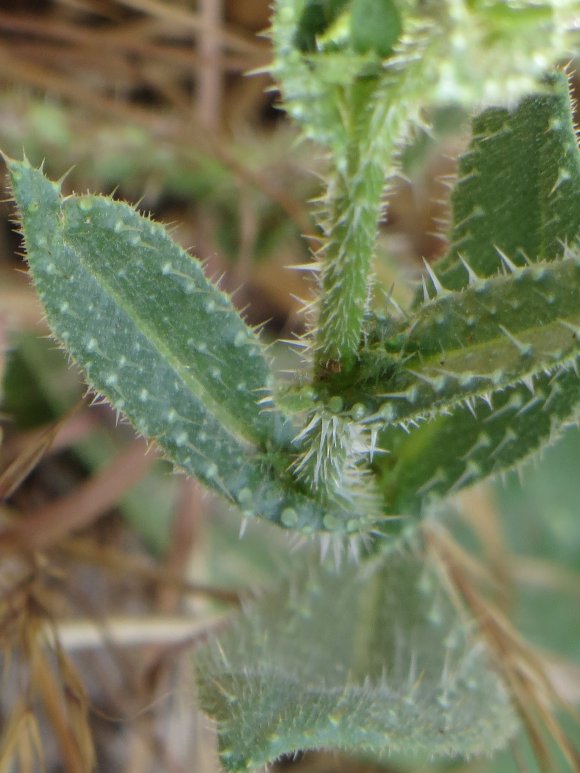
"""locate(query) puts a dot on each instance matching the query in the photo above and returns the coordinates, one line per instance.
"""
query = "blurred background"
(151, 99)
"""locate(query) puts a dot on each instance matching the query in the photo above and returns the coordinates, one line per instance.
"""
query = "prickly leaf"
(375, 25)
(473, 53)
(446, 454)
(370, 660)
(538, 220)
(484, 338)
(518, 187)
(164, 345)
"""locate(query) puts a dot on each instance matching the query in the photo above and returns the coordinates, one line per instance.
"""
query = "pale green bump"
(335, 404)
(330, 522)
(245, 497)
(240, 338)
(289, 517)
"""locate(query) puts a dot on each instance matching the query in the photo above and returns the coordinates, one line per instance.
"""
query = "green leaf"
(537, 220)
(371, 660)
(145, 324)
(518, 187)
(448, 453)
(375, 25)
(316, 17)
(484, 338)
(165, 346)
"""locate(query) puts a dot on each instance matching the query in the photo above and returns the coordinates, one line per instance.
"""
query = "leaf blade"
(486, 337)
(449, 453)
(535, 223)
(293, 674)
(530, 154)
(124, 317)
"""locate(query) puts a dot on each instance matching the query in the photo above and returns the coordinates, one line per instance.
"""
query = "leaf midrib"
(238, 431)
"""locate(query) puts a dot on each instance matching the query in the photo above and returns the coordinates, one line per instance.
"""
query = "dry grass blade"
(185, 533)
(74, 429)
(183, 17)
(24, 613)
(62, 55)
(564, 674)
(118, 562)
(75, 745)
(50, 524)
(14, 735)
(538, 573)
(129, 38)
(481, 513)
(210, 77)
(520, 666)
(35, 75)
(160, 630)
(77, 705)
(30, 755)
(19, 469)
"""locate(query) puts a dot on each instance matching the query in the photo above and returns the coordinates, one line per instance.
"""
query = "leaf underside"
(394, 668)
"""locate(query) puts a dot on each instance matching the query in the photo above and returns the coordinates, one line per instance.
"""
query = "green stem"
(379, 114)
(354, 215)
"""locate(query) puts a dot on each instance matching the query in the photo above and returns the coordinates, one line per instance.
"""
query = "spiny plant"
(396, 408)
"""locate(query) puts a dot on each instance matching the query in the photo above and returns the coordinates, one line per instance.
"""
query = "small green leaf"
(370, 660)
(518, 187)
(484, 338)
(315, 19)
(375, 25)
(449, 453)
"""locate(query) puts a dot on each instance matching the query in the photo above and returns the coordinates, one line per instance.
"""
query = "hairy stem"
(354, 214)
(378, 114)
